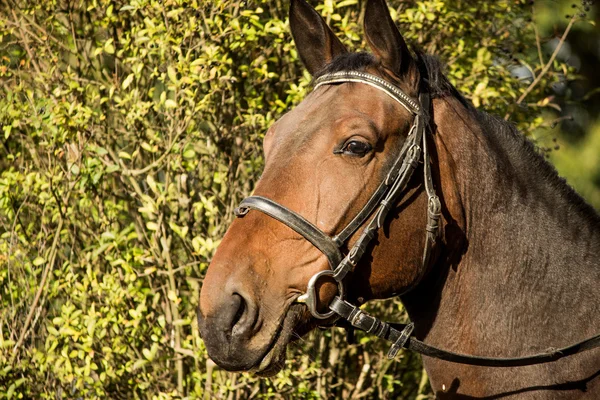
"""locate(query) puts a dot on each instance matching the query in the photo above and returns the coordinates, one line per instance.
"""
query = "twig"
(548, 64)
(26, 44)
(136, 172)
(47, 269)
(210, 366)
(538, 44)
(185, 352)
(165, 242)
(423, 385)
(366, 368)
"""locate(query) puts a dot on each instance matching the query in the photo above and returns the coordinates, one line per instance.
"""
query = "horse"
(491, 252)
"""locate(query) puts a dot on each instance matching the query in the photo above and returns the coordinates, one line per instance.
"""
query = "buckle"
(401, 341)
(241, 211)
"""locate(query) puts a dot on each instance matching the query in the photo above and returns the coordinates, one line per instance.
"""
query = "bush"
(130, 131)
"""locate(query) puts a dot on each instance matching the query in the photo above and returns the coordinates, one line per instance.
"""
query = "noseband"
(373, 215)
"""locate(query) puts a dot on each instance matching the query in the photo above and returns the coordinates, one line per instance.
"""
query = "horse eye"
(356, 148)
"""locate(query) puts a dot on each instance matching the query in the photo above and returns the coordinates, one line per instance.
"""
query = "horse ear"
(385, 40)
(317, 45)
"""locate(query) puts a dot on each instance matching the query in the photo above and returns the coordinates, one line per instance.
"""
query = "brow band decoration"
(369, 79)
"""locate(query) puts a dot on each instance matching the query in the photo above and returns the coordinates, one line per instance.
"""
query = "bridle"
(377, 207)
(372, 216)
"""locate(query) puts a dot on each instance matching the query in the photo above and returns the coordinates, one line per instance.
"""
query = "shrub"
(130, 131)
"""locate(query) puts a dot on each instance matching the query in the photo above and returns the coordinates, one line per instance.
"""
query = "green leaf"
(127, 81)
(39, 261)
(101, 151)
(152, 184)
(109, 47)
(172, 74)
(189, 153)
(148, 354)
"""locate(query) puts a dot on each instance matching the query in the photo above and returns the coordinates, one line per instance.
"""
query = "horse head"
(324, 160)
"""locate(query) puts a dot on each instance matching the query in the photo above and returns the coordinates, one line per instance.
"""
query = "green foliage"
(130, 131)
(579, 163)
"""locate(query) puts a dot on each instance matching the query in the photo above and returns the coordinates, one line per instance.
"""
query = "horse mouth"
(274, 359)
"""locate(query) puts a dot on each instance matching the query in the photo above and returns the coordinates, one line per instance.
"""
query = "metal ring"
(310, 297)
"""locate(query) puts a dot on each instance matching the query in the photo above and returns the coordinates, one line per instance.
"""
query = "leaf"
(127, 81)
(11, 391)
(101, 151)
(139, 363)
(170, 103)
(172, 74)
(152, 183)
(180, 231)
(149, 356)
(39, 261)
(189, 153)
(171, 295)
(109, 47)
(112, 168)
(91, 326)
(146, 146)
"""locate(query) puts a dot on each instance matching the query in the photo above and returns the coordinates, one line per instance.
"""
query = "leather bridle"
(372, 216)
(377, 207)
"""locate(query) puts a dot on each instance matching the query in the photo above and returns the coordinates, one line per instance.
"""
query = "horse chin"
(296, 323)
(274, 359)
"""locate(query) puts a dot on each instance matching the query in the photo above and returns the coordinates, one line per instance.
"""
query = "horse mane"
(514, 141)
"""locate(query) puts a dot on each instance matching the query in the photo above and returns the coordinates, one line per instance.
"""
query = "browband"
(372, 80)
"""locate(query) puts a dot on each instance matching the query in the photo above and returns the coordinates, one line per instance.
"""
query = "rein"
(375, 212)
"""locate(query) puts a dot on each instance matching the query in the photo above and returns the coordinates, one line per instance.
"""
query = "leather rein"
(373, 214)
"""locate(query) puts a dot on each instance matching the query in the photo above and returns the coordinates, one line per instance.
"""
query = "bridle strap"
(379, 194)
(372, 80)
(400, 337)
(295, 221)
(434, 205)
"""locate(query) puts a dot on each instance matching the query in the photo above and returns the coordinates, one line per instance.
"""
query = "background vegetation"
(129, 131)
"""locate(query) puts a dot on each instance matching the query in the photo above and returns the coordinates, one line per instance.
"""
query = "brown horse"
(515, 269)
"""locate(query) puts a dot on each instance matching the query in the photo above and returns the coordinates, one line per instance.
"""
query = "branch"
(136, 172)
(47, 269)
(538, 44)
(548, 64)
(26, 44)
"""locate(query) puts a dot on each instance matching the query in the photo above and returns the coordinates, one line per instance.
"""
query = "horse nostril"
(240, 311)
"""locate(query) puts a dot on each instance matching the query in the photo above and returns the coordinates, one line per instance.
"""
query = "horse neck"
(521, 247)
